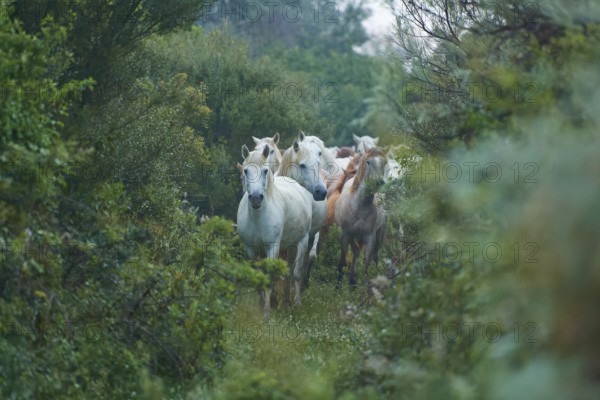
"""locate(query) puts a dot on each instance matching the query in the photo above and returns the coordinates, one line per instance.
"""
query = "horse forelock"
(255, 157)
(362, 166)
(326, 157)
(271, 143)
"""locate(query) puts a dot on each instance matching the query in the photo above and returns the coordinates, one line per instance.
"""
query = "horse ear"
(376, 140)
(356, 139)
(256, 140)
(301, 136)
(276, 138)
(245, 152)
(265, 152)
(240, 167)
(296, 146)
(367, 147)
(390, 152)
(386, 150)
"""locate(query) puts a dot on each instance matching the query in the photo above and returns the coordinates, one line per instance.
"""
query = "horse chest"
(360, 219)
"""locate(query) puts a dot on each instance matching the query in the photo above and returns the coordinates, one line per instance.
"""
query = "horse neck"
(278, 155)
(360, 174)
(345, 178)
(285, 163)
(271, 186)
(327, 156)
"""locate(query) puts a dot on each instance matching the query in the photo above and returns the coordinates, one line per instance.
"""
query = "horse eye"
(272, 151)
(245, 170)
(302, 165)
(319, 154)
(369, 162)
(265, 171)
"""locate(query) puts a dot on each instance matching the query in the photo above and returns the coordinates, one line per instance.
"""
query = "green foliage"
(246, 95)
(335, 81)
(321, 25)
(144, 139)
(274, 269)
(340, 83)
(100, 33)
(101, 264)
(111, 286)
(535, 289)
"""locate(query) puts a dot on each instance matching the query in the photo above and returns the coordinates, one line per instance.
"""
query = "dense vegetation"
(121, 275)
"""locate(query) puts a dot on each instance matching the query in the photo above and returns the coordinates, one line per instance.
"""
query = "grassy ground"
(313, 350)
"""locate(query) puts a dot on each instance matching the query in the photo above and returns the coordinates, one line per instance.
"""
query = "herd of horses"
(292, 198)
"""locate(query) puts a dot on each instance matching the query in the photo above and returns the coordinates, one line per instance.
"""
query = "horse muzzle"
(319, 193)
(255, 200)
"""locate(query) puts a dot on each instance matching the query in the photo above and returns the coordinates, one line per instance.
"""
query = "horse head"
(364, 143)
(327, 156)
(302, 162)
(274, 157)
(372, 168)
(257, 175)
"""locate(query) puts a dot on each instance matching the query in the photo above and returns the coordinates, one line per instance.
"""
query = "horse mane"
(286, 162)
(349, 172)
(362, 167)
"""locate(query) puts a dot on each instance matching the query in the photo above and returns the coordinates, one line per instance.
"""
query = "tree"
(102, 32)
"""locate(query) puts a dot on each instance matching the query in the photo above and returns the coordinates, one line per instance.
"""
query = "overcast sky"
(381, 19)
(378, 26)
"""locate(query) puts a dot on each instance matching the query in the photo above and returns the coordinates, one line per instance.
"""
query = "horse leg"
(286, 289)
(344, 240)
(313, 254)
(302, 249)
(309, 258)
(355, 253)
(379, 240)
(251, 252)
(370, 250)
(290, 254)
(267, 300)
(272, 250)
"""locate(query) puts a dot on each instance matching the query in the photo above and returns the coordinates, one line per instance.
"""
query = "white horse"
(331, 165)
(274, 158)
(364, 143)
(302, 163)
(274, 217)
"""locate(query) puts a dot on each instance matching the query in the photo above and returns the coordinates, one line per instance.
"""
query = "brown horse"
(344, 152)
(361, 219)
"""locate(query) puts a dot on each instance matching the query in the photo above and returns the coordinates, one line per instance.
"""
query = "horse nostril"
(320, 193)
(262, 197)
